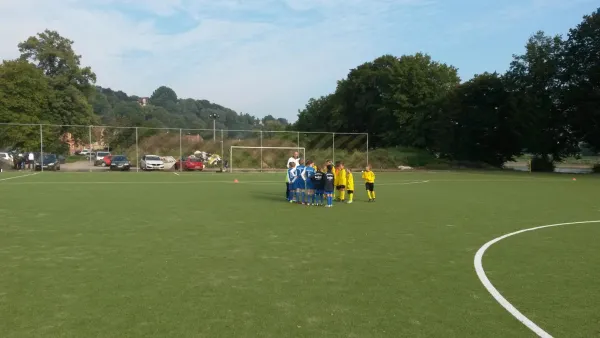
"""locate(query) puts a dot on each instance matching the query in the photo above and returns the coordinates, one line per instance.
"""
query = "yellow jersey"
(350, 182)
(368, 176)
(340, 177)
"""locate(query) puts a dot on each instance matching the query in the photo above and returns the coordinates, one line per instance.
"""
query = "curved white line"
(494, 292)
(13, 177)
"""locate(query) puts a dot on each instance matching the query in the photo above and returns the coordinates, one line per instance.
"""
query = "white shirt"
(31, 157)
(292, 159)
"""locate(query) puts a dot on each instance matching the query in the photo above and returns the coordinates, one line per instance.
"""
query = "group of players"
(309, 185)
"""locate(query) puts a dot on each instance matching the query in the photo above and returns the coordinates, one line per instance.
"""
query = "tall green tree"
(534, 79)
(581, 78)
(24, 98)
(71, 84)
(479, 122)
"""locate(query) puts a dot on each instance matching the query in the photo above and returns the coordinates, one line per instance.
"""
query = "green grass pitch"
(196, 255)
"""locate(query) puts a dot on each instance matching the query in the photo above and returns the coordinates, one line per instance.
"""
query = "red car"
(107, 160)
(189, 163)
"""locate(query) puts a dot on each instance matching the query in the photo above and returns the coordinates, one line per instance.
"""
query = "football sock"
(290, 195)
(342, 195)
(303, 197)
(369, 194)
(373, 194)
(350, 195)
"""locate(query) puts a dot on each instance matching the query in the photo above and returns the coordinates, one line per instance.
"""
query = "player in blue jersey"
(307, 176)
(318, 180)
(292, 179)
(329, 186)
(300, 185)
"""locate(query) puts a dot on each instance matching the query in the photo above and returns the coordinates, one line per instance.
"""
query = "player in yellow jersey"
(340, 180)
(369, 176)
(350, 185)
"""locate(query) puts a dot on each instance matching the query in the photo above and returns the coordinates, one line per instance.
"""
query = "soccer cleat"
(370, 200)
(349, 202)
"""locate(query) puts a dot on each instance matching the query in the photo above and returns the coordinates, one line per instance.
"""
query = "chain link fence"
(83, 148)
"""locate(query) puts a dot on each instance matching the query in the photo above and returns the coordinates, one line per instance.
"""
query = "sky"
(270, 56)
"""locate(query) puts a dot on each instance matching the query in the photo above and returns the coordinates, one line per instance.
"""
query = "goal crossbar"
(298, 149)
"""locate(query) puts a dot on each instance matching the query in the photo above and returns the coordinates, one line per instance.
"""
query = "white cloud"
(256, 56)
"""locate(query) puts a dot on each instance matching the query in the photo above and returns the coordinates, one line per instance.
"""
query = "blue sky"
(270, 56)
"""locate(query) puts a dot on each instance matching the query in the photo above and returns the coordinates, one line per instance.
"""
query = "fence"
(176, 143)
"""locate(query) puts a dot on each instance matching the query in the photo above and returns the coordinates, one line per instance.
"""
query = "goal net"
(260, 159)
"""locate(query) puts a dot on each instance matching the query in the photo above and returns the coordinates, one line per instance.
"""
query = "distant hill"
(164, 109)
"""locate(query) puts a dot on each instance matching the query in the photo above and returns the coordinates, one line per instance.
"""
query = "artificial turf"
(196, 255)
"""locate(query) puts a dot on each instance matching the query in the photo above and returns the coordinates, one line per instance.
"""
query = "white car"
(6, 157)
(85, 152)
(151, 162)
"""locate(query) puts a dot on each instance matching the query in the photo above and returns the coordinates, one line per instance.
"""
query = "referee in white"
(296, 159)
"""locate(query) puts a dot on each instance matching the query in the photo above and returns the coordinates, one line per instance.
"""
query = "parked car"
(6, 157)
(84, 152)
(99, 159)
(107, 161)
(48, 162)
(120, 162)
(189, 163)
(151, 162)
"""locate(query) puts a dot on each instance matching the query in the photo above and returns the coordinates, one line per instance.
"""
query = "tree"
(479, 122)
(164, 97)
(533, 78)
(390, 97)
(71, 84)
(24, 98)
(581, 63)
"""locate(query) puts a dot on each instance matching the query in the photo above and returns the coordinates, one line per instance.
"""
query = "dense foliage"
(547, 104)
(48, 85)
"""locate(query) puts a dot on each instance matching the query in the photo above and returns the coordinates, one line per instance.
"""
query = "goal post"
(255, 154)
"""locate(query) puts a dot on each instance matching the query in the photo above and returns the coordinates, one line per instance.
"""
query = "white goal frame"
(298, 149)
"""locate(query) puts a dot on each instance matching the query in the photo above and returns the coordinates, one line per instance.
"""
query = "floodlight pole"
(222, 151)
(261, 151)
(214, 117)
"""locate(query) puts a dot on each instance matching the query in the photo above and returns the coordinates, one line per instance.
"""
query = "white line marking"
(494, 292)
(176, 174)
(12, 178)
(403, 183)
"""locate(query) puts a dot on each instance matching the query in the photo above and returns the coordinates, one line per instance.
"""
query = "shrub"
(596, 168)
(542, 164)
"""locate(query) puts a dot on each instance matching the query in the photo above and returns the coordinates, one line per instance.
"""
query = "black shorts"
(340, 187)
(370, 186)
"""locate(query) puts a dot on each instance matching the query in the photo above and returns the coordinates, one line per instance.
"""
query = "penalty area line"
(20, 176)
(477, 262)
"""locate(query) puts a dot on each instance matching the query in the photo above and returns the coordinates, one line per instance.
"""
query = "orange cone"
(236, 181)
(574, 179)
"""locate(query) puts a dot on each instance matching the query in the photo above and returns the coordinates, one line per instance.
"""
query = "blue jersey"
(307, 175)
(292, 176)
(299, 170)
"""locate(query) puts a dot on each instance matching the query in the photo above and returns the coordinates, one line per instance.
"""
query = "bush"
(596, 168)
(542, 164)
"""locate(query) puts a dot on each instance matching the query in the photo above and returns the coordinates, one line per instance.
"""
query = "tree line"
(47, 84)
(546, 104)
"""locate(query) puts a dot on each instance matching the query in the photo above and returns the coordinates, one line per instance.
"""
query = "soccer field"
(196, 255)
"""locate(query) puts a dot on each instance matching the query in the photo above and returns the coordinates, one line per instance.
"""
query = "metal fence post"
(41, 150)
(298, 141)
(367, 148)
(90, 139)
(180, 151)
(137, 156)
(261, 151)
(333, 150)
(222, 152)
